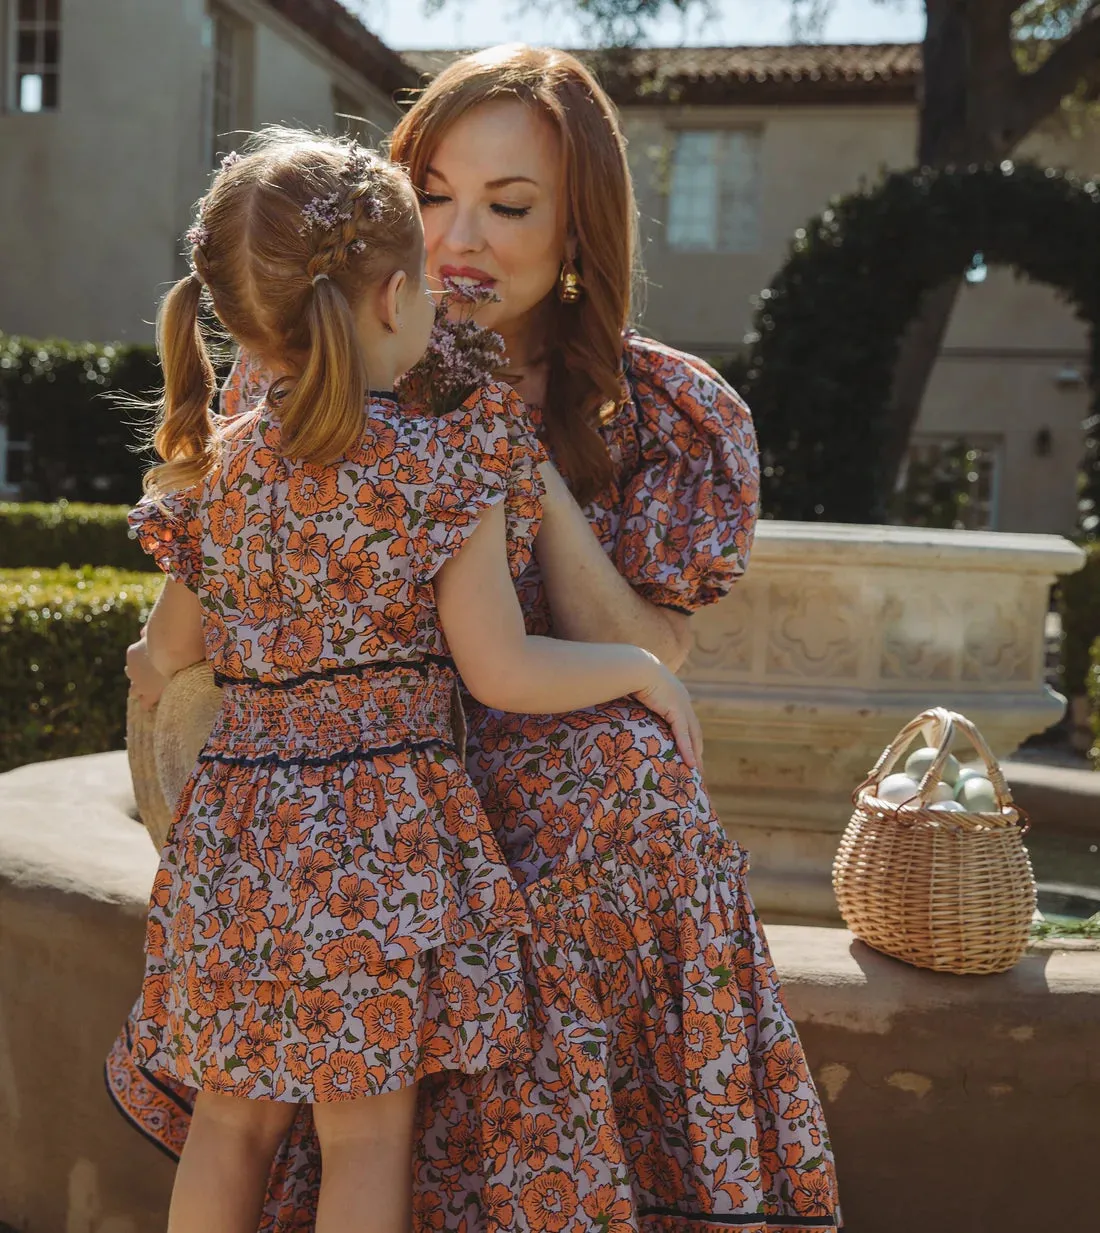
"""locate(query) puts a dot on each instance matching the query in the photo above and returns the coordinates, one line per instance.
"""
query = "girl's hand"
(145, 681)
(668, 698)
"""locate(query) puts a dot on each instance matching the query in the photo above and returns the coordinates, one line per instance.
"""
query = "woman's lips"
(465, 278)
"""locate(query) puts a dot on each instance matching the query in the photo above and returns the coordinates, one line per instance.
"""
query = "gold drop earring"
(570, 286)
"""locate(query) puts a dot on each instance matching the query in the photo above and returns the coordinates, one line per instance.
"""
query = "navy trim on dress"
(348, 755)
(735, 1222)
(328, 674)
(145, 1134)
(153, 1081)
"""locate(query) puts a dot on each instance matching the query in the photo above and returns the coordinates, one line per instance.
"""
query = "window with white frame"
(227, 39)
(714, 191)
(33, 46)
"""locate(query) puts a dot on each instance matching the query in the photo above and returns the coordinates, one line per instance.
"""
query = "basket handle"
(936, 724)
(939, 726)
(994, 773)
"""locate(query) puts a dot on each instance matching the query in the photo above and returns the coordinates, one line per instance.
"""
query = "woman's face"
(493, 208)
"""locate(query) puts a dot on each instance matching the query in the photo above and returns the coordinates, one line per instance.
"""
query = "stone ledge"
(71, 826)
(835, 543)
(960, 1104)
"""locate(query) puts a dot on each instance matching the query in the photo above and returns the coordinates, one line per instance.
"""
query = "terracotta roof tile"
(850, 72)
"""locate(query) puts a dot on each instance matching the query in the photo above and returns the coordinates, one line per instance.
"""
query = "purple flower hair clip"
(323, 212)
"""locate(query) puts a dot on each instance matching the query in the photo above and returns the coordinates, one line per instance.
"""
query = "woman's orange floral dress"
(332, 917)
(667, 1091)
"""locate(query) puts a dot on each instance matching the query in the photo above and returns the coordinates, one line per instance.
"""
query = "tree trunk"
(965, 47)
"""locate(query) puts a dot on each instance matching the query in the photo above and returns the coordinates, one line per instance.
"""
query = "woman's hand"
(668, 698)
(145, 681)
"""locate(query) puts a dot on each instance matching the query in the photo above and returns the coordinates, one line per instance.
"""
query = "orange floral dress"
(668, 1091)
(332, 916)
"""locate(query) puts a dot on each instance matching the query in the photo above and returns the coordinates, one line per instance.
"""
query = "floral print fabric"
(332, 917)
(667, 1091)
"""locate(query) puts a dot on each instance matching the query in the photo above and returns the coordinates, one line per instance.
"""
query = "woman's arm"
(509, 670)
(590, 601)
(174, 629)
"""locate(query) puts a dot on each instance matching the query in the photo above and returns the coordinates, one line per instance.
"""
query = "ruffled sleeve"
(247, 383)
(169, 530)
(487, 452)
(689, 511)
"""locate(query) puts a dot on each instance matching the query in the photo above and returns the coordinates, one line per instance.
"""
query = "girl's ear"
(390, 306)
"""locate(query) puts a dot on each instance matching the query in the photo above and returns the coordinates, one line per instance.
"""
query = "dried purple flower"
(197, 234)
(461, 357)
(322, 212)
(228, 160)
(475, 294)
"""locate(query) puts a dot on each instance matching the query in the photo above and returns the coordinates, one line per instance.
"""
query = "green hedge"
(40, 536)
(63, 639)
(1079, 603)
(81, 443)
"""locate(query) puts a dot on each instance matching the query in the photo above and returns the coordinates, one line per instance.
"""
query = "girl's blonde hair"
(291, 235)
(586, 338)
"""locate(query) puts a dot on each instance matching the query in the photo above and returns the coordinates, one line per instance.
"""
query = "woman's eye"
(432, 199)
(511, 211)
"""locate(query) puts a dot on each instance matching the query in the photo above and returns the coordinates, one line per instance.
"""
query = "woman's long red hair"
(585, 339)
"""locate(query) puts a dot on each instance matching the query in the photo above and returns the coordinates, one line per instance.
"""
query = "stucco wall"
(95, 196)
(92, 197)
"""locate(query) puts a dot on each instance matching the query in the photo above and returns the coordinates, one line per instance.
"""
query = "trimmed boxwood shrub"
(44, 536)
(1079, 603)
(63, 639)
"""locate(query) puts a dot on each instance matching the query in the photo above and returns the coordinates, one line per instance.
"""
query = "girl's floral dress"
(667, 1090)
(332, 917)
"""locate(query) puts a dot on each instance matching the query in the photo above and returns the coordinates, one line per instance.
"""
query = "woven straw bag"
(164, 744)
(949, 891)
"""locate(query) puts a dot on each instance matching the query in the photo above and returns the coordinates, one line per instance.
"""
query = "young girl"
(332, 918)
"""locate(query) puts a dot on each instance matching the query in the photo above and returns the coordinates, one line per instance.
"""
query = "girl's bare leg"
(366, 1163)
(224, 1166)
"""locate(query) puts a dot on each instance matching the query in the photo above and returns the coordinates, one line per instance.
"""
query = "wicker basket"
(950, 891)
(163, 744)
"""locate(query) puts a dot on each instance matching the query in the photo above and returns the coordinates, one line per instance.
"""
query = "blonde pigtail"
(185, 429)
(321, 415)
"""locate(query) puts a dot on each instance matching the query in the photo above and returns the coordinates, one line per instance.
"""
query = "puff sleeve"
(689, 511)
(486, 453)
(168, 528)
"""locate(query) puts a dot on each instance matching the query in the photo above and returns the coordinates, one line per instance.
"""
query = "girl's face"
(493, 208)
